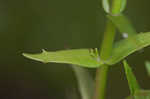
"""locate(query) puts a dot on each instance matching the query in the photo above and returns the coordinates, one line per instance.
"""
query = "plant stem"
(106, 48)
(116, 6)
(101, 73)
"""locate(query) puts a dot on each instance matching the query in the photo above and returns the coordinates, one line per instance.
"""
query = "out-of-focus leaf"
(147, 64)
(123, 24)
(123, 5)
(82, 57)
(85, 82)
(128, 46)
(142, 94)
(133, 85)
(106, 5)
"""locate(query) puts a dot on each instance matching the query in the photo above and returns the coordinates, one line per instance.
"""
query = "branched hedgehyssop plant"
(110, 53)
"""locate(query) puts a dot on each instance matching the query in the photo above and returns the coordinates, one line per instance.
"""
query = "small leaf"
(147, 64)
(123, 5)
(106, 5)
(133, 85)
(142, 94)
(128, 46)
(83, 57)
(123, 24)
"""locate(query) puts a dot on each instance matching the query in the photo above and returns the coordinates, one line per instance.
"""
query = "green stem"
(116, 6)
(108, 39)
(106, 48)
(101, 75)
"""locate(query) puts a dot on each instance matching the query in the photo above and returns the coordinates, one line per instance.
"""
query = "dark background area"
(32, 25)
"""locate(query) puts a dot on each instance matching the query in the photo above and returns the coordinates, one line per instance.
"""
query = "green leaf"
(82, 57)
(136, 92)
(142, 94)
(123, 24)
(106, 7)
(128, 46)
(147, 64)
(90, 58)
(133, 85)
(123, 5)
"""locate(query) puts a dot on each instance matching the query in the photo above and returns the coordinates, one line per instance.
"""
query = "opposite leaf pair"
(84, 58)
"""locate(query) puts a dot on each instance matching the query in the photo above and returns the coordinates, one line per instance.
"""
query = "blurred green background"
(32, 25)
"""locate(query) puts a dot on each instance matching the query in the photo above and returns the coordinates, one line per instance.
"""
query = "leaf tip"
(33, 57)
(25, 55)
(44, 51)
